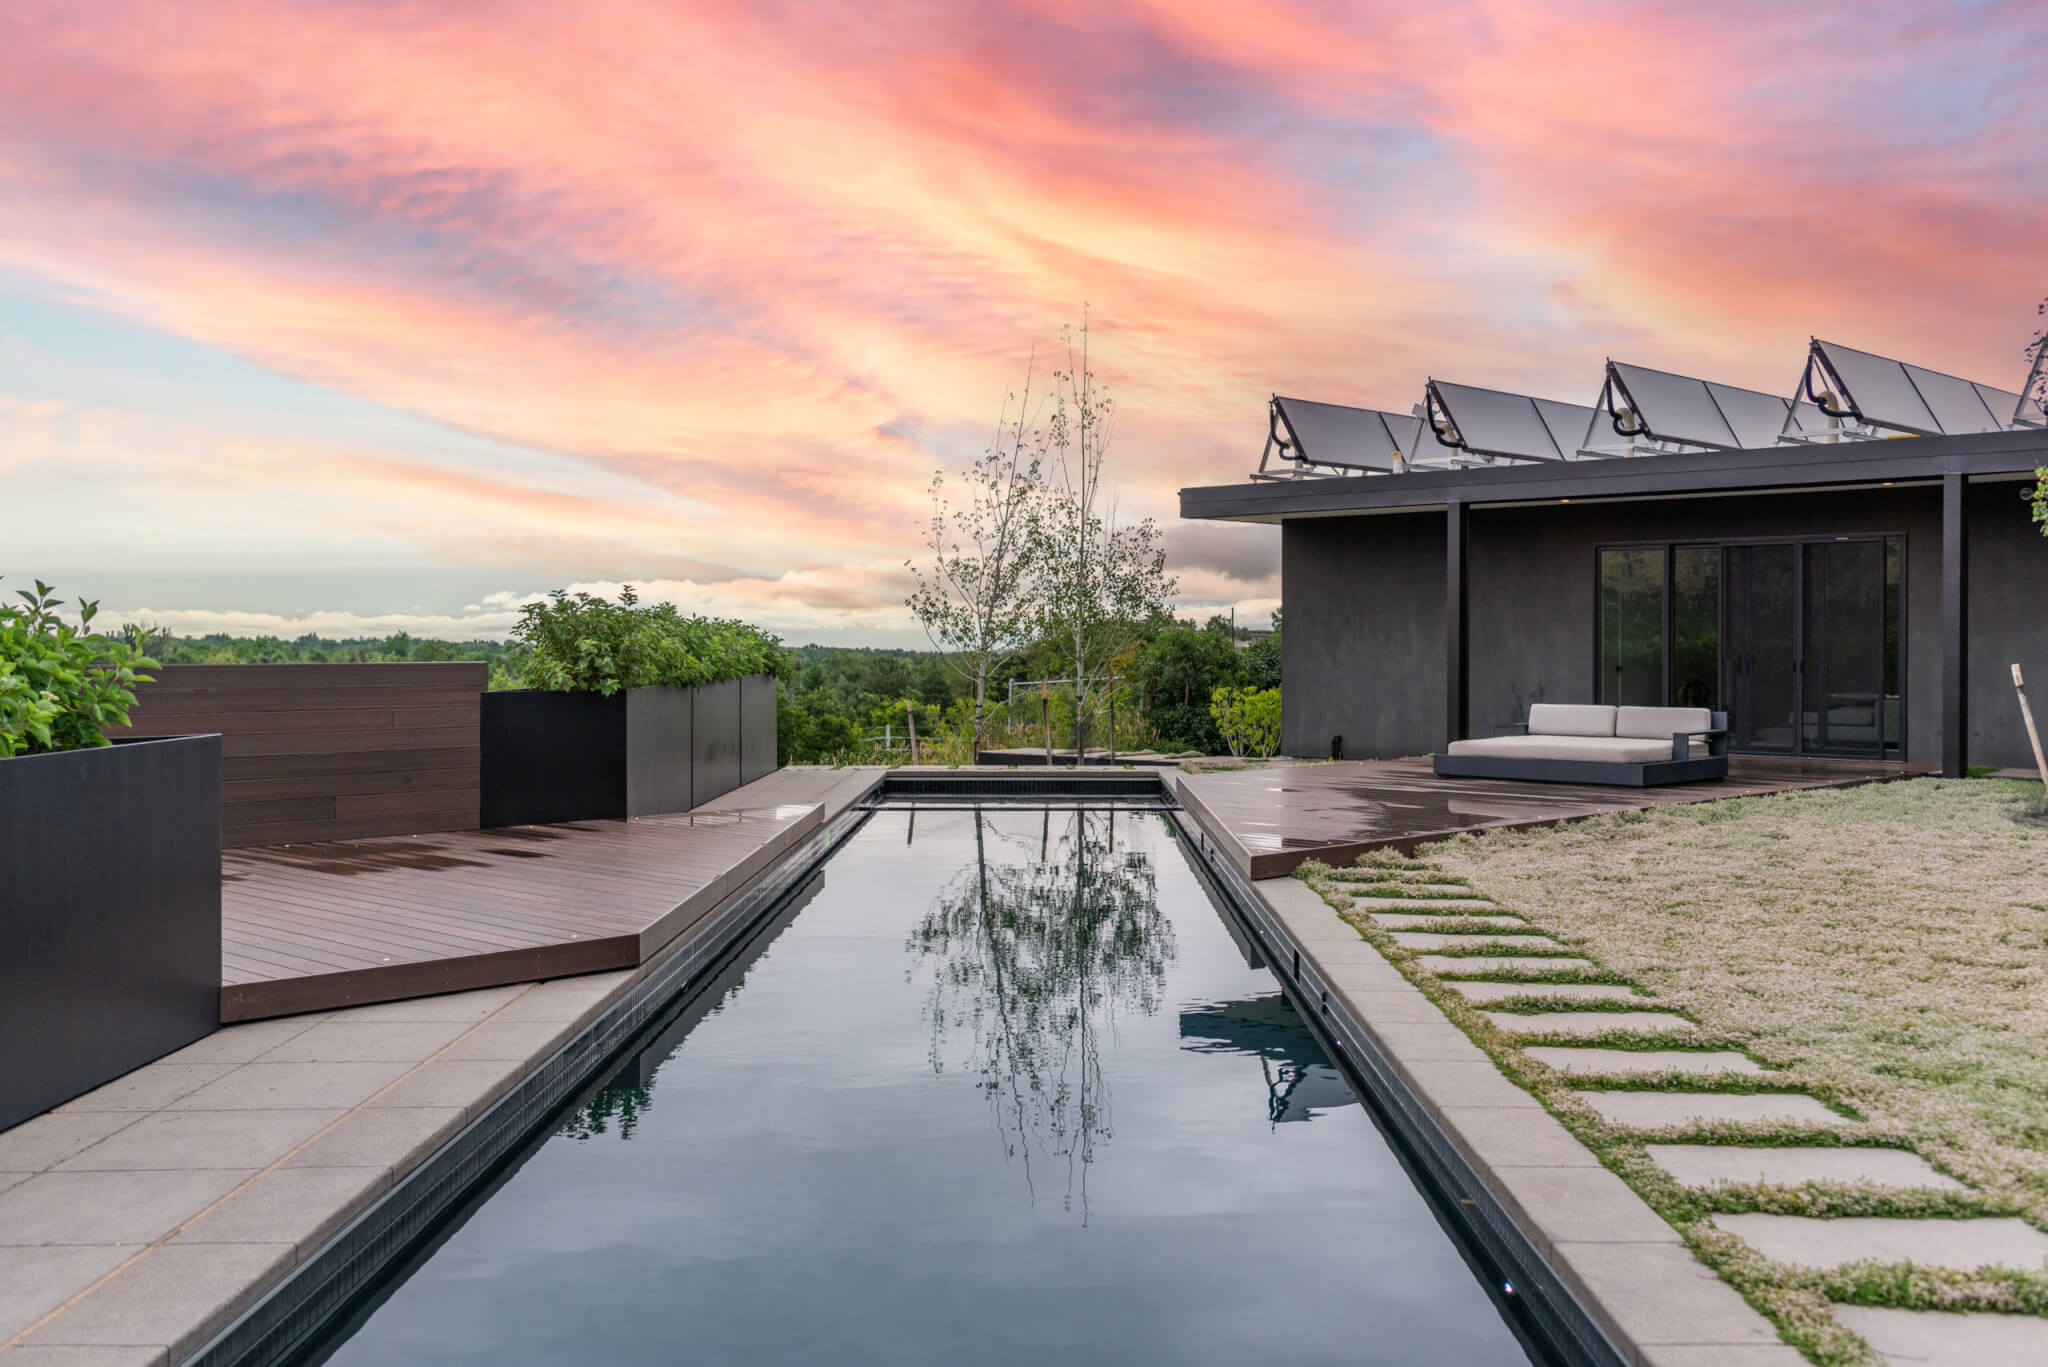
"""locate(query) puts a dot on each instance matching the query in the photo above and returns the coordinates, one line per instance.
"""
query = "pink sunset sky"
(357, 316)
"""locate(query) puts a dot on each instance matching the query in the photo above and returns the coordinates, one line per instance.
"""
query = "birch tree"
(1098, 581)
(972, 595)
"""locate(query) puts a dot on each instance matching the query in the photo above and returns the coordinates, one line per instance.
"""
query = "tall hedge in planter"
(632, 711)
(60, 685)
(583, 643)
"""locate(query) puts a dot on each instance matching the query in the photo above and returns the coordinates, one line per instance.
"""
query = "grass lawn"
(1885, 946)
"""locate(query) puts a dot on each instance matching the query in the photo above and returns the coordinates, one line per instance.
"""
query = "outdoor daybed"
(1635, 747)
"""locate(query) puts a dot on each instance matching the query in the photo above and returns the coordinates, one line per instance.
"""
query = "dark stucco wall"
(1533, 585)
(1364, 604)
(1363, 652)
(2008, 622)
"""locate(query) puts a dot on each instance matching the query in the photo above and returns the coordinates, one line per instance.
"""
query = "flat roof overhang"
(1898, 460)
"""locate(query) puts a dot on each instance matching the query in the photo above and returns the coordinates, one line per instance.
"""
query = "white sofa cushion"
(1660, 723)
(1590, 749)
(1572, 719)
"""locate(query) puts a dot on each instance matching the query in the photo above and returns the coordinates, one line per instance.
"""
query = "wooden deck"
(311, 927)
(1268, 821)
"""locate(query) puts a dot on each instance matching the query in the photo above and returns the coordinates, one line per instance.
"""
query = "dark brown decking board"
(318, 926)
(1269, 821)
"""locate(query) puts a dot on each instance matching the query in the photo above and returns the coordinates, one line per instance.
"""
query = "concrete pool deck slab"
(138, 1220)
(1623, 1263)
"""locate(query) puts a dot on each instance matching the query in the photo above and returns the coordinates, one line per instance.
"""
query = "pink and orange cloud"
(702, 291)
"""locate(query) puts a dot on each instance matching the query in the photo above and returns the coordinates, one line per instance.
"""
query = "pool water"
(1005, 1086)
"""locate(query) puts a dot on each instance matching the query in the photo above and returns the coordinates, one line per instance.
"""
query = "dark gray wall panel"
(1533, 586)
(757, 726)
(658, 750)
(715, 740)
(2008, 622)
(110, 914)
(1364, 602)
(1363, 651)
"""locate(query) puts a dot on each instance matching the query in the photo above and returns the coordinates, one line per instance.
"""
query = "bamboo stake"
(2019, 686)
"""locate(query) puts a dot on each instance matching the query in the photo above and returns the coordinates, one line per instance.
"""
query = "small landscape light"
(1508, 1287)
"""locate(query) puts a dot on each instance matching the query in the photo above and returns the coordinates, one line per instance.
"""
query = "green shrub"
(582, 643)
(61, 685)
(1248, 718)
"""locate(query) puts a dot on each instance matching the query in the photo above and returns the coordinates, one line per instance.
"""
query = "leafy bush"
(582, 643)
(1248, 718)
(59, 684)
(2038, 498)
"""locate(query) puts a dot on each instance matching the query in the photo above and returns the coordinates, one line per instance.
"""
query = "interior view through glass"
(1798, 641)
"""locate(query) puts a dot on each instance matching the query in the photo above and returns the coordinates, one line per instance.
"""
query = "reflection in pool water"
(1006, 1089)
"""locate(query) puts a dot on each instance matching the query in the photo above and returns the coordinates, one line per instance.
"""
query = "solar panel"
(1491, 423)
(1337, 436)
(1641, 405)
(1879, 393)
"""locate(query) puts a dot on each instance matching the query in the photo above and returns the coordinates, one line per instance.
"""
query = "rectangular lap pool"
(998, 1086)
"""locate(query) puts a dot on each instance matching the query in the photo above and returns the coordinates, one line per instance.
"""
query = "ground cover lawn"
(1885, 946)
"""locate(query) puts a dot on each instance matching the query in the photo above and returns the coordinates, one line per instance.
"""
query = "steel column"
(1457, 680)
(1955, 627)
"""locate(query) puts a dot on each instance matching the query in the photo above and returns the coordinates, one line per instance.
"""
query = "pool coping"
(1604, 1278)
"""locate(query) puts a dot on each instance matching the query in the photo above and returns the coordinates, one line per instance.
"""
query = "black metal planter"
(549, 757)
(109, 914)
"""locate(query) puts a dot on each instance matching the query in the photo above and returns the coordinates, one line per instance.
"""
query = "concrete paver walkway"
(1705, 1165)
(1934, 1338)
(1587, 1022)
(1656, 1110)
(1620, 1062)
(1959, 1244)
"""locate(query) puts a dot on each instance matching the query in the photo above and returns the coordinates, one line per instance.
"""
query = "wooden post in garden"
(910, 711)
(2019, 686)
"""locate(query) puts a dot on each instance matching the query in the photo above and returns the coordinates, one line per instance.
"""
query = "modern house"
(1849, 571)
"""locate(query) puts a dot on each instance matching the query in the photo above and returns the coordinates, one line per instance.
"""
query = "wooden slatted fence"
(328, 751)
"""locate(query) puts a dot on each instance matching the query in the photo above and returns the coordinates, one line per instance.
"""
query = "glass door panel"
(1844, 708)
(1695, 626)
(1759, 665)
(1632, 627)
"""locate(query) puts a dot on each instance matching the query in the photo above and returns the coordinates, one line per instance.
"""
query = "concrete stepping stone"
(1418, 939)
(1582, 992)
(1704, 1165)
(1940, 1338)
(1568, 1059)
(1586, 1022)
(1480, 963)
(1400, 920)
(1655, 1110)
(1964, 1245)
(1445, 904)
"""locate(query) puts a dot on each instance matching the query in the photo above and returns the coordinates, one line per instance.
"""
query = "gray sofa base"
(1705, 769)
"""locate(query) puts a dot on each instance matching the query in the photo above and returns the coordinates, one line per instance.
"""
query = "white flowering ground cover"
(1885, 947)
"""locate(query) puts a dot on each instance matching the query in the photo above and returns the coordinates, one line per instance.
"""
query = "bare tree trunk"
(1045, 714)
(980, 724)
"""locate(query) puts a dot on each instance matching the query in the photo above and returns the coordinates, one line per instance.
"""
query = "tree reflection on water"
(1034, 954)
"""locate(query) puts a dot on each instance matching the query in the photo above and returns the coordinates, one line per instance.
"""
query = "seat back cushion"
(1660, 723)
(1571, 719)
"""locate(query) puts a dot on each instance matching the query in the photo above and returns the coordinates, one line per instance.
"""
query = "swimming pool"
(1001, 1084)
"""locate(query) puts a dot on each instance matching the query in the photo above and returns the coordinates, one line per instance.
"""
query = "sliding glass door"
(1760, 660)
(1800, 642)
